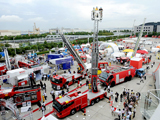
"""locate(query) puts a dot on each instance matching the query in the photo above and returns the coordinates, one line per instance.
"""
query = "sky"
(47, 14)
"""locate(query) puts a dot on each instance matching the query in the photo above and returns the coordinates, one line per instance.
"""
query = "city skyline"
(47, 14)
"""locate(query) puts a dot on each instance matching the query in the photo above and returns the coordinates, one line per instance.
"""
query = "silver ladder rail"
(72, 51)
(8, 64)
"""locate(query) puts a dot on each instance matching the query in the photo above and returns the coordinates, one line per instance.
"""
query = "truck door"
(117, 78)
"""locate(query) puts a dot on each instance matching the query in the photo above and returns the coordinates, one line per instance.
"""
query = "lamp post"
(14, 45)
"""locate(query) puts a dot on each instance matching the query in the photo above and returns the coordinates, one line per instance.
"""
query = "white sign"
(58, 87)
(4, 77)
(28, 103)
(24, 104)
(25, 109)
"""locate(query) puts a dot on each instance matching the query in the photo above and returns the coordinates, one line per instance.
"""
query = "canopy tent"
(64, 53)
(2, 53)
(158, 46)
(128, 50)
(142, 52)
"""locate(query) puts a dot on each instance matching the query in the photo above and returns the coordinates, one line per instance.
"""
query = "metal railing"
(149, 102)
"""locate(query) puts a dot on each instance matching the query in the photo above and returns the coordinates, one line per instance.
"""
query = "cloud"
(10, 18)
(37, 19)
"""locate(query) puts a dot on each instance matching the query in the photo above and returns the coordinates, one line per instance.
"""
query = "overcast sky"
(21, 14)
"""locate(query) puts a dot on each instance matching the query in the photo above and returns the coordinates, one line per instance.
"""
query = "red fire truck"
(22, 94)
(117, 76)
(59, 81)
(102, 65)
(70, 104)
(122, 60)
(3, 69)
(146, 59)
(84, 58)
(28, 64)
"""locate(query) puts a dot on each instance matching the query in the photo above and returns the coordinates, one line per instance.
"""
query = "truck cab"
(84, 58)
(140, 71)
(69, 104)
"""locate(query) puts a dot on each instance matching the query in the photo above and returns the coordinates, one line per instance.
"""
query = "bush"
(44, 52)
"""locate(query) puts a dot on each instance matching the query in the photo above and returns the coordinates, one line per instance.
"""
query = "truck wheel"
(92, 102)
(97, 100)
(73, 111)
(112, 84)
(126, 79)
(130, 77)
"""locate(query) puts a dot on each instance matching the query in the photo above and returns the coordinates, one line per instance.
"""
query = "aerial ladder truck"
(69, 104)
(59, 81)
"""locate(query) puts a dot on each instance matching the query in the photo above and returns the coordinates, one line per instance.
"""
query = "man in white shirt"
(119, 114)
(108, 88)
(130, 114)
(111, 94)
(112, 110)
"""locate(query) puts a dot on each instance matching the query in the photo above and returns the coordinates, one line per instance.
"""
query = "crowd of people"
(130, 101)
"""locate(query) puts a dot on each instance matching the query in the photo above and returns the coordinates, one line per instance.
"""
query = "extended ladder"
(74, 53)
(8, 65)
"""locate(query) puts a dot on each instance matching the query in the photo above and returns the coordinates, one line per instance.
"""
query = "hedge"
(44, 52)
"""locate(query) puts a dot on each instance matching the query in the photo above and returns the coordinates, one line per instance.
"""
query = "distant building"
(148, 27)
(10, 32)
(68, 30)
(35, 30)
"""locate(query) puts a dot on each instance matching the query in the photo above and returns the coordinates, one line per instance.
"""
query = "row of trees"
(123, 30)
(18, 37)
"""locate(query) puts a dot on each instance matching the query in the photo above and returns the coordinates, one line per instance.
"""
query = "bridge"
(55, 38)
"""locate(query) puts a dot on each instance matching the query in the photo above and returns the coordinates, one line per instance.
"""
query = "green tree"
(0, 56)
(7, 45)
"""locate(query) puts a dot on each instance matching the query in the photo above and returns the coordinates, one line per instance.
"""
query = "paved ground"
(101, 110)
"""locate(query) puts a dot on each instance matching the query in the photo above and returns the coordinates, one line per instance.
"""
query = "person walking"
(39, 105)
(112, 94)
(112, 110)
(62, 92)
(80, 83)
(119, 114)
(48, 76)
(45, 87)
(134, 112)
(141, 79)
(122, 112)
(41, 84)
(67, 88)
(45, 95)
(151, 65)
(43, 110)
(49, 71)
(87, 82)
(149, 101)
(121, 96)
(108, 88)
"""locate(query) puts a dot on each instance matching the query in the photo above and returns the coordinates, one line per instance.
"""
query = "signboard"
(24, 104)
(28, 103)
(4, 77)
(58, 87)
(38, 68)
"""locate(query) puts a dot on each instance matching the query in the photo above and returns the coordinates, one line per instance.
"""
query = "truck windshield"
(141, 71)
(57, 106)
(56, 80)
(103, 76)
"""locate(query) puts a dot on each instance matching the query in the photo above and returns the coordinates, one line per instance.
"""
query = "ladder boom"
(74, 53)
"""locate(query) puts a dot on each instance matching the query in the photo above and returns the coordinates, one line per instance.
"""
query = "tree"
(7, 45)
(0, 56)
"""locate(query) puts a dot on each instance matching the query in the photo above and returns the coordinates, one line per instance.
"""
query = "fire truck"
(28, 64)
(146, 59)
(22, 94)
(3, 69)
(102, 65)
(122, 60)
(71, 103)
(117, 76)
(59, 81)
